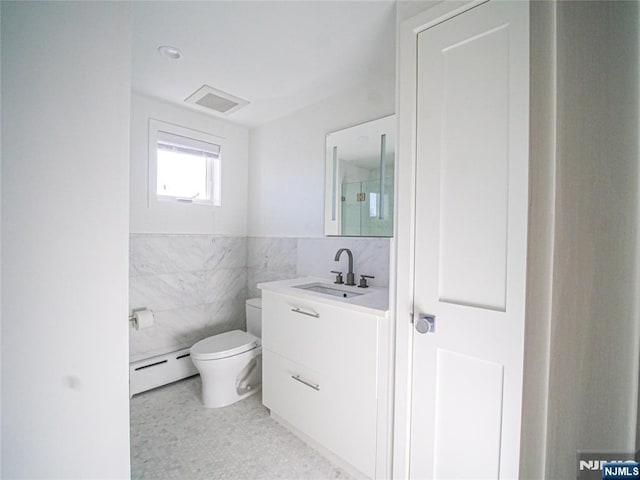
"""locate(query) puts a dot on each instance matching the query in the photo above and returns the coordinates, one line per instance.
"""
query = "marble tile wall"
(281, 258)
(270, 259)
(196, 285)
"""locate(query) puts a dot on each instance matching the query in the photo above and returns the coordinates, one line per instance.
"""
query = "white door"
(471, 239)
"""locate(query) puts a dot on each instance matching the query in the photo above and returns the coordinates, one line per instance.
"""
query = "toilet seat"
(224, 345)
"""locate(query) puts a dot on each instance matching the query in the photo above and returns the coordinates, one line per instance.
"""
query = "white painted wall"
(406, 9)
(0, 237)
(286, 175)
(174, 217)
(595, 324)
(542, 169)
(65, 218)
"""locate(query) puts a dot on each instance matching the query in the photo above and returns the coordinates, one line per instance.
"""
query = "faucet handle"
(338, 277)
(363, 281)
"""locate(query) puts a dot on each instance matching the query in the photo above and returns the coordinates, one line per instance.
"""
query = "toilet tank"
(254, 316)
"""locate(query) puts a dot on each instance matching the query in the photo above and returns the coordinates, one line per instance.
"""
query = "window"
(184, 165)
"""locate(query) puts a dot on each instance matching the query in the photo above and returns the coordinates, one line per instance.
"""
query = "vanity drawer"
(320, 336)
(297, 394)
(336, 410)
(295, 328)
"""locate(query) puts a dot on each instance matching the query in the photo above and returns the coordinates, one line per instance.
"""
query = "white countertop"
(374, 300)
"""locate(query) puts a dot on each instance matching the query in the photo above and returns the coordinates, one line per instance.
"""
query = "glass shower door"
(350, 211)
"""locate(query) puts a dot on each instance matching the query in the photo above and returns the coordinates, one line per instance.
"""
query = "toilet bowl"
(230, 363)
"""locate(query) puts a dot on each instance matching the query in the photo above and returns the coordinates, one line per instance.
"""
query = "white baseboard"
(160, 370)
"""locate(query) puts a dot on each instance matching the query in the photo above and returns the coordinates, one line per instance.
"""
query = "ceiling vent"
(216, 100)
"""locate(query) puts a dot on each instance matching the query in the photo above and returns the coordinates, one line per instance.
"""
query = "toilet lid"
(224, 345)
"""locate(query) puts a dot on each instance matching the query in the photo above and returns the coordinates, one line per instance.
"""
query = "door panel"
(471, 238)
(473, 197)
(468, 410)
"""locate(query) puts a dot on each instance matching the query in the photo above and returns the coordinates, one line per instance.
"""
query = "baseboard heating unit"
(160, 370)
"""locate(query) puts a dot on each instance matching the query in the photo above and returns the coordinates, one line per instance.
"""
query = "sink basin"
(328, 290)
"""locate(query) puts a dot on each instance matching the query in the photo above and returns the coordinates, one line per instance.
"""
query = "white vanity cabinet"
(325, 372)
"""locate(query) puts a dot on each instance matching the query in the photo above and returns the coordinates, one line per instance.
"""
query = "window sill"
(187, 201)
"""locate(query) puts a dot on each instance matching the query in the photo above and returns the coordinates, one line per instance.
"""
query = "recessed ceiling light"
(170, 52)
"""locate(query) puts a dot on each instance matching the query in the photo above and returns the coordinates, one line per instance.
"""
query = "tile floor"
(173, 437)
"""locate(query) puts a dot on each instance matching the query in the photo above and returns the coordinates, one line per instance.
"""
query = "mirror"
(359, 180)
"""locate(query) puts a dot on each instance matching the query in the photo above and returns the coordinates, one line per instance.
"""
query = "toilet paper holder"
(141, 318)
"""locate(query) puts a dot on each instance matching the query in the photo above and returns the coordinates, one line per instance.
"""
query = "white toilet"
(230, 363)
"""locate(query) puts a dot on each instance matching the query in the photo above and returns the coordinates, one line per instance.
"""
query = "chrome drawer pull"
(297, 310)
(315, 386)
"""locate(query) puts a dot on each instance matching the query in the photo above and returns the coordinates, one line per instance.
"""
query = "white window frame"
(214, 170)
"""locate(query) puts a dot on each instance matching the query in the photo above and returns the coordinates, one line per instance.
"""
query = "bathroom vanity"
(326, 369)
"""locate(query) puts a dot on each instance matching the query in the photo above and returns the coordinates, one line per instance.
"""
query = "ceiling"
(279, 55)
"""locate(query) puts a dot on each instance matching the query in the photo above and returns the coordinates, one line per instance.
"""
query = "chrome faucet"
(350, 276)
